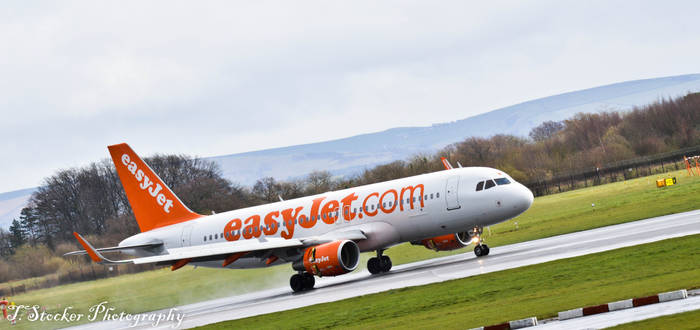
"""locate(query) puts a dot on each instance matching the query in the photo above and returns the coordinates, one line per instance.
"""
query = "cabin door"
(451, 193)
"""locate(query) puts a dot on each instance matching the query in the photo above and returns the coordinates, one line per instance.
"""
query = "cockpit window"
(501, 181)
(489, 184)
(480, 186)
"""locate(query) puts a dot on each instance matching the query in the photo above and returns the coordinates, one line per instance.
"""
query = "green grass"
(549, 215)
(539, 290)
(681, 321)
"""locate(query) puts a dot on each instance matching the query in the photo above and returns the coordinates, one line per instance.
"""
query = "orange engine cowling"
(446, 242)
(330, 259)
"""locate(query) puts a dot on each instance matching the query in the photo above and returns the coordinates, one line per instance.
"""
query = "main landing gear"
(480, 249)
(302, 281)
(379, 264)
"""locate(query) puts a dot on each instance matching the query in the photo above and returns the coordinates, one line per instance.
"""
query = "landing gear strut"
(379, 264)
(302, 281)
(480, 249)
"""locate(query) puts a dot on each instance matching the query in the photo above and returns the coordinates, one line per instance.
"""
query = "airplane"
(320, 235)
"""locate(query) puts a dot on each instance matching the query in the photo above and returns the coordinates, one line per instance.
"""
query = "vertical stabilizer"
(153, 203)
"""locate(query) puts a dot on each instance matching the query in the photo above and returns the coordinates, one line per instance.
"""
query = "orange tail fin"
(153, 203)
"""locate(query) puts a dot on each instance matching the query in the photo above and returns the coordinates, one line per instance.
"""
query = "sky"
(208, 78)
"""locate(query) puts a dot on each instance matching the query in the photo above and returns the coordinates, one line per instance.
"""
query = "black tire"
(309, 281)
(373, 266)
(386, 264)
(485, 250)
(296, 282)
(478, 251)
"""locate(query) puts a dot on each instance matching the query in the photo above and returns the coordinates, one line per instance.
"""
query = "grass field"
(549, 215)
(683, 321)
(539, 290)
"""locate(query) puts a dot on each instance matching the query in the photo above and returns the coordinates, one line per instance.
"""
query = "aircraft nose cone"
(530, 197)
(526, 198)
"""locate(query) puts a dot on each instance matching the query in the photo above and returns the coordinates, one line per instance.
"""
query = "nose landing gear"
(379, 264)
(480, 249)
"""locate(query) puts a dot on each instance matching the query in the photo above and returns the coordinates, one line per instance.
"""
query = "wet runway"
(431, 271)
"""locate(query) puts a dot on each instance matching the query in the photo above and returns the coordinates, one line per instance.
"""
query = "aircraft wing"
(198, 251)
(351, 234)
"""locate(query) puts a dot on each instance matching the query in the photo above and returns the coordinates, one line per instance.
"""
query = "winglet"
(94, 255)
(446, 163)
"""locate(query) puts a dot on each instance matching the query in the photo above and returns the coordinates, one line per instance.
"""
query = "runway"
(431, 271)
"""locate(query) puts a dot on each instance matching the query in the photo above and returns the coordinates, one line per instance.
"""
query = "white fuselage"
(388, 213)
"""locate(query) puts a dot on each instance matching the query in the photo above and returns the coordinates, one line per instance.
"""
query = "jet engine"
(330, 259)
(446, 242)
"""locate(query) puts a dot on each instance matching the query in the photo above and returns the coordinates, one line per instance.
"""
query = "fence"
(613, 172)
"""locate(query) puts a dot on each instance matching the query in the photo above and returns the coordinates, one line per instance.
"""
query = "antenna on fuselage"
(458, 164)
(446, 163)
(280, 197)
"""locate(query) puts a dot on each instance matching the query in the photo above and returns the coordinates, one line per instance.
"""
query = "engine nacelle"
(446, 242)
(330, 259)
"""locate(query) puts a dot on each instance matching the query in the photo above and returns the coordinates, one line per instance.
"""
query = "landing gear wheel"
(478, 251)
(484, 250)
(297, 282)
(309, 281)
(386, 264)
(374, 266)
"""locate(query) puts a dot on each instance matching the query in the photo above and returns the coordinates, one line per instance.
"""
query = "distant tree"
(29, 221)
(318, 182)
(546, 130)
(17, 235)
(267, 190)
(6, 248)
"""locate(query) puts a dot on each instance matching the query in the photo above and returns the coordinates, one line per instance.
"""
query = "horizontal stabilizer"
(117, 249)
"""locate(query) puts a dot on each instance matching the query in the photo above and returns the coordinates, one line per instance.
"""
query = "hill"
(351, 155)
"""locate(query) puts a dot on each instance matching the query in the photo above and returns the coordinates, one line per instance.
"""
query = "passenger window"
(210, 237)
(431, 196)
(437, 195)
(489, 184)
(205, 238)
(502, 181)
(480, 186)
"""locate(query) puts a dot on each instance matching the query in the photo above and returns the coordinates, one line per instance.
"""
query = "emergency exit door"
(451, 193)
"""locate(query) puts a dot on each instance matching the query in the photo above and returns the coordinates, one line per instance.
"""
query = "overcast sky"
(210, 78)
